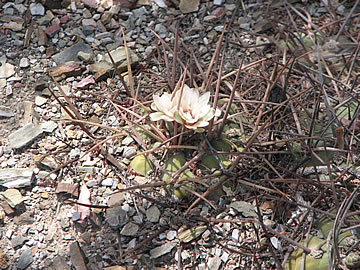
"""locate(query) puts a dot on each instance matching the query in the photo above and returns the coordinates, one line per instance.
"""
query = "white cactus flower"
(164, 106)
(194, 110)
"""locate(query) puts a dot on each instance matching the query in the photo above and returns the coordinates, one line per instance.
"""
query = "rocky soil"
(53, 56)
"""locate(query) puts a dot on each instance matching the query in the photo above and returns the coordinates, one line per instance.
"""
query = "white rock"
(39, 100)
(24, 62)
(37, 9)
(235, 235)
(171, 234)
(6, 71)
(108, 182)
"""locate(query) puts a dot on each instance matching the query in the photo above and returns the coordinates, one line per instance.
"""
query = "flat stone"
(162, 250)
(245, 208)
(86, 82)
(108, 182)
(16, 177)
(116, 217)
(58, 263)
(139, 12)
(85, 57)
(91, 183)
(46, 162)
(52, 30)
(25, 259)
(103, 69)
(218, 2)
(7, 18)
(116, 199)
(6, 70)
(42, 37)
(39, 101)
(130, 229)
(153, 214)
(68, 69)
(49, 126)
(91, 3)
(129, 151)
(37, 9)
(106, 17)
(127, 3)
(18, 241)
(77, 256)
(15, 26)
(88, 26)
(24, 136)
(24, 218)
(71, 54)
(64, 19)
(67, 188)
(13, 197)
(45, 20)
(188, 6)
(4, 114)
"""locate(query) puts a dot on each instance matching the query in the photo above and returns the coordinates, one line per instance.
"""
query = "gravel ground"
(47, 164)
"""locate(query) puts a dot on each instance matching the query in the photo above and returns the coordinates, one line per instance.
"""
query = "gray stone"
(16, 177)
(129, 151)
(130, 229)
(58, 263)
(37, 9)
(20, 8)
(116, 217)
(127, 140)
(139, 12)
(76, 216)
(24, 136)
(9, 11)
(45, 20)
(161, 30)
(25, 259)
(106, 41)
(88, 26)
(162, 250)
(245, 208)
(71, 54)
(85, 57)
(18, 241)
(100, 36)
(4, 114)
(153, 214)
(106, 17)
